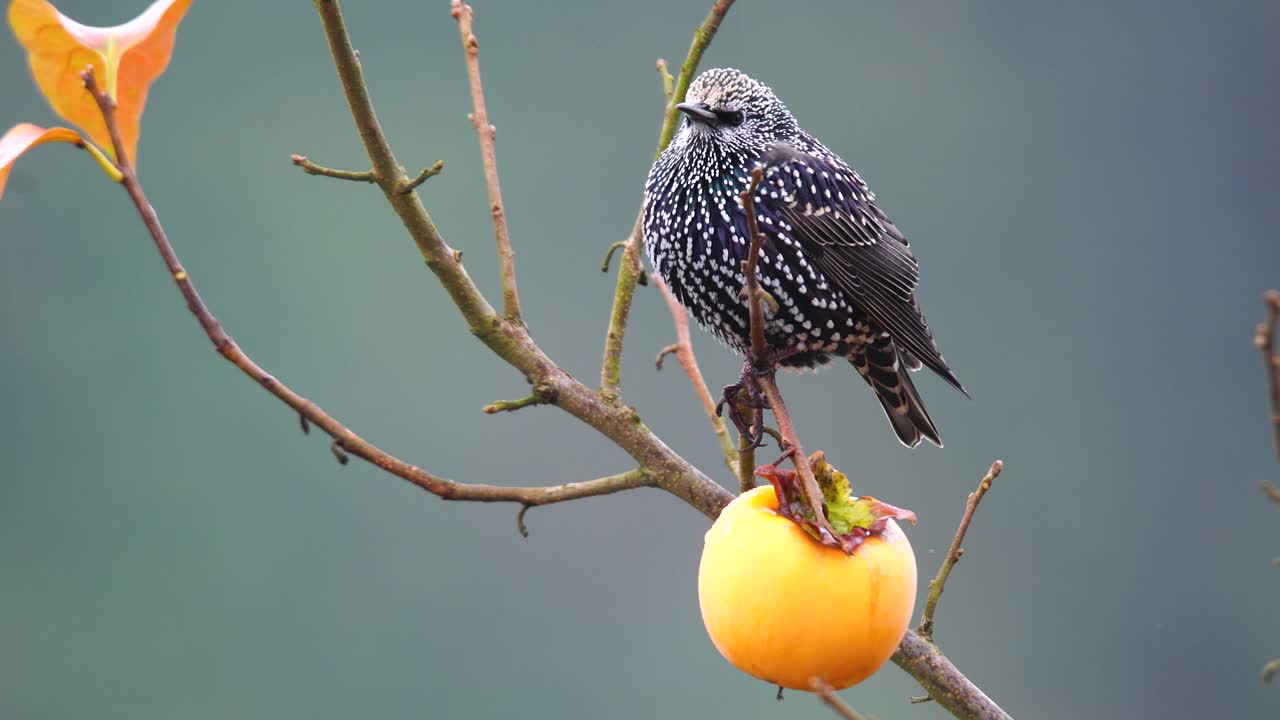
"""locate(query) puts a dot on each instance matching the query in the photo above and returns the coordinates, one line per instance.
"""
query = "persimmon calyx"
(853, 518)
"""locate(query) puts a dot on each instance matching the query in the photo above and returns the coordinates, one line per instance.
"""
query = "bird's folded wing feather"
(836, 223)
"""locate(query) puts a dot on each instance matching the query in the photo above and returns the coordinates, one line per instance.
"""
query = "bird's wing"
(834, 220)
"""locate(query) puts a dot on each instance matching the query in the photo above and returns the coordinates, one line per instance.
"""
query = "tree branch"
(344, 440)
(486, 132)
(311, 168)
(426, 174)
(683, 350)
(630, 271)
(943, 681)
(1266, 342)
(702, 38)
(827, 695)
(939, 582)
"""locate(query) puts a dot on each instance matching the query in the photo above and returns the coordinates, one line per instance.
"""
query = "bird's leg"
(733, 397)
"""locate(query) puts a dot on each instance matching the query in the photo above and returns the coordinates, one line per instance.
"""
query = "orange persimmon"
(786, 609)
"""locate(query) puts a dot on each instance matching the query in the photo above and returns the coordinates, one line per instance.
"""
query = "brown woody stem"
(828, 696)
(939, 582)
(311, 168)
(486, 132)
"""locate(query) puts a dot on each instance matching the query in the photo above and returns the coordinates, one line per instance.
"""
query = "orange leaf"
(25, 136)
(125, 58)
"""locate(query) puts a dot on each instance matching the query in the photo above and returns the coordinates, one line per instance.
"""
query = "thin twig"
(1266, 342)
(624, 292)
(486, 132)
(759, 353)
(668, 82)
(426, 174)
(1271, 490)
(542, 394)
(755, 307)
(311, 168)
(631, 271)
(827, 694)
(608, 256)
(683, 349)
(939, 582)
(809, 483)
(702, 38)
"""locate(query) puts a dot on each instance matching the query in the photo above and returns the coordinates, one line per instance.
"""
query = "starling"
(840, 273)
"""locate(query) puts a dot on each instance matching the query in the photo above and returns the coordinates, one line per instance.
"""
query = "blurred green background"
(1090, 187)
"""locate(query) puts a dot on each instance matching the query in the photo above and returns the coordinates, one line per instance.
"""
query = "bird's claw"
(745, 394)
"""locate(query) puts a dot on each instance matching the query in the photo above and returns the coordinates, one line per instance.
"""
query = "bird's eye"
(729, 117)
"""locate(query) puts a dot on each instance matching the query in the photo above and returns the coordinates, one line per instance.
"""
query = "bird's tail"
(886, 370)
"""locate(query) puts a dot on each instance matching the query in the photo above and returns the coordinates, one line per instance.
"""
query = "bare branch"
(486, 132)
(426, 174)
(939, 582)
(624, 292)
(827, 695)
(943, 681)
(311, 168)
(344, 440)
(608, 256)
(668, 82)
(1266, 342)
(683, 349)
(702, 38)
(543, 394)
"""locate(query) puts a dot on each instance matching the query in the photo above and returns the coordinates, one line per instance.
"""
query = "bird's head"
(725, 107)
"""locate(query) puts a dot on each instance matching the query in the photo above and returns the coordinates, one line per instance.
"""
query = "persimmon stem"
(939, 582)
